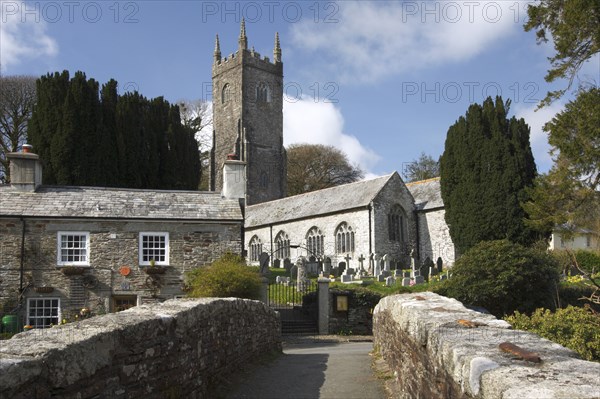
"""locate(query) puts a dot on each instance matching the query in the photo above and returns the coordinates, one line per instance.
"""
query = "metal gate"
(298, 307)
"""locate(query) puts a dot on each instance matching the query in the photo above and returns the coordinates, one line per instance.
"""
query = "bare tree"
(197, 115)
(17, 98)
(313, 167)
(423, 168)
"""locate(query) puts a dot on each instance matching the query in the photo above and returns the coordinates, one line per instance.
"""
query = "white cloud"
(307, 121)
(372, 40)
(539, 139)
(20, 41)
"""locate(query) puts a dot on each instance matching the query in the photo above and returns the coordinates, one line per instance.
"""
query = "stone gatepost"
(323, 288)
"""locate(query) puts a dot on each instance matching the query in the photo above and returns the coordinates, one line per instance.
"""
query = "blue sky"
(383, 81)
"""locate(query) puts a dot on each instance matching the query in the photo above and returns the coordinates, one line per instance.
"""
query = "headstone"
(294, 272)
(440, 264)
(389, 281)
(277, 263)
(432, 271)
(419, 280)
(263, 261)
(386, 273)
(377, 267)
(361, 260)
(347, 277)
(371, 264)
(350, 270)
(406, 282)
(287, 264)
(427, 266)
(406, 274)
(398, 273)
(381, 278)
(335, 271)
(413, 258)
(341, 267)
(326, 267)
(302, 274)
(387, 259)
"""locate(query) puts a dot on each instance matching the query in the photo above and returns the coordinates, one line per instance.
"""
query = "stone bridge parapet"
(437, 348)
(180, 348)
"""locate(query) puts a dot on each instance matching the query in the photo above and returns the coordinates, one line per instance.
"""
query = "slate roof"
(427, 193)
(117, 203)
(328, 200)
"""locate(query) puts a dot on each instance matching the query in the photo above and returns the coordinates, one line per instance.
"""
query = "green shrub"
(503, 277)
(226, 277)
(576, 328)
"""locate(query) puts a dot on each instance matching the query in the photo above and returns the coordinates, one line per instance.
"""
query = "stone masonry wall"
(434, 237)
(113, 244)
(359, 317)
(176, 349)
(434, 356)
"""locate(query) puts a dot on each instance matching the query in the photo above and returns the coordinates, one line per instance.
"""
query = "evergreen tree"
(486, 165)
(88, 137)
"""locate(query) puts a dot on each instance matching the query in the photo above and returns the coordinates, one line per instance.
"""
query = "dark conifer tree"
(85, 137)
(486, 165)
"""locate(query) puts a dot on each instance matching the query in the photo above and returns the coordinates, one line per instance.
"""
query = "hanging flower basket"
(155, 270)
(73, 270)
(44, 290)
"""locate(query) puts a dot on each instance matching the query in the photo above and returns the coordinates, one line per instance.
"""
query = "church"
(353, 224)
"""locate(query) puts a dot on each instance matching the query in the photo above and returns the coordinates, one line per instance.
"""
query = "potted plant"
(153, 269)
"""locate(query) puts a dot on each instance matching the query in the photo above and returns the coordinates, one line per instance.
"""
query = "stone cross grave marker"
(347, 258)
(361, 260)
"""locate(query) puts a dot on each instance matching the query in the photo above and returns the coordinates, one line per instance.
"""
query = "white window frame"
(30, 319)
(59, 248)
(143, 262)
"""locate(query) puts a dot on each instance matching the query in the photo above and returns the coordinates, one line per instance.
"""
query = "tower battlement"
(247, 94)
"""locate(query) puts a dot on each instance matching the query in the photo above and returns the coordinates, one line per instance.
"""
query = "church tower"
(248, 119)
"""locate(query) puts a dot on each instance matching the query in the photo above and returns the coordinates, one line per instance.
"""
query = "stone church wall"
(297, 230)
(434, 356)
(394, 193)
(177, 349)
(434, 237)
(113, 244)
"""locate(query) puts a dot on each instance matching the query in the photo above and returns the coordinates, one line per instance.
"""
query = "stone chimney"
(234, 178)
(25, 169)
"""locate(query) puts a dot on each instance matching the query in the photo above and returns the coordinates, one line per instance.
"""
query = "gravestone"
(432, 271)
(287, 264)
(440, 264)
(347, 258)
(377, 267)
(389, 281)
(277, 263)
(301, 281)
(326, 267)
(371, 270)
(419, 280)
(387, 259)
(341, 267)
(427, 266)
(361, 265)
(413, 259)
(406, 282)
(407, 274)
(294, 272)
(381, 278)
(347, 276)
(263, 261)
(398, 273)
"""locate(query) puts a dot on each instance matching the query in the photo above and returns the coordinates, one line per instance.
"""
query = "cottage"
(63, 249)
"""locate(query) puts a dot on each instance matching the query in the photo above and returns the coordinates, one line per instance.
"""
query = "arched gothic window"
(226, 93)
(255, 249)
(397, 224)
(344, 239)
(314, 242)
(282, 245)
(263, 94)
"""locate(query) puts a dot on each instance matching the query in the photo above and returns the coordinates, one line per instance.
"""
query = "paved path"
(313, 370)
